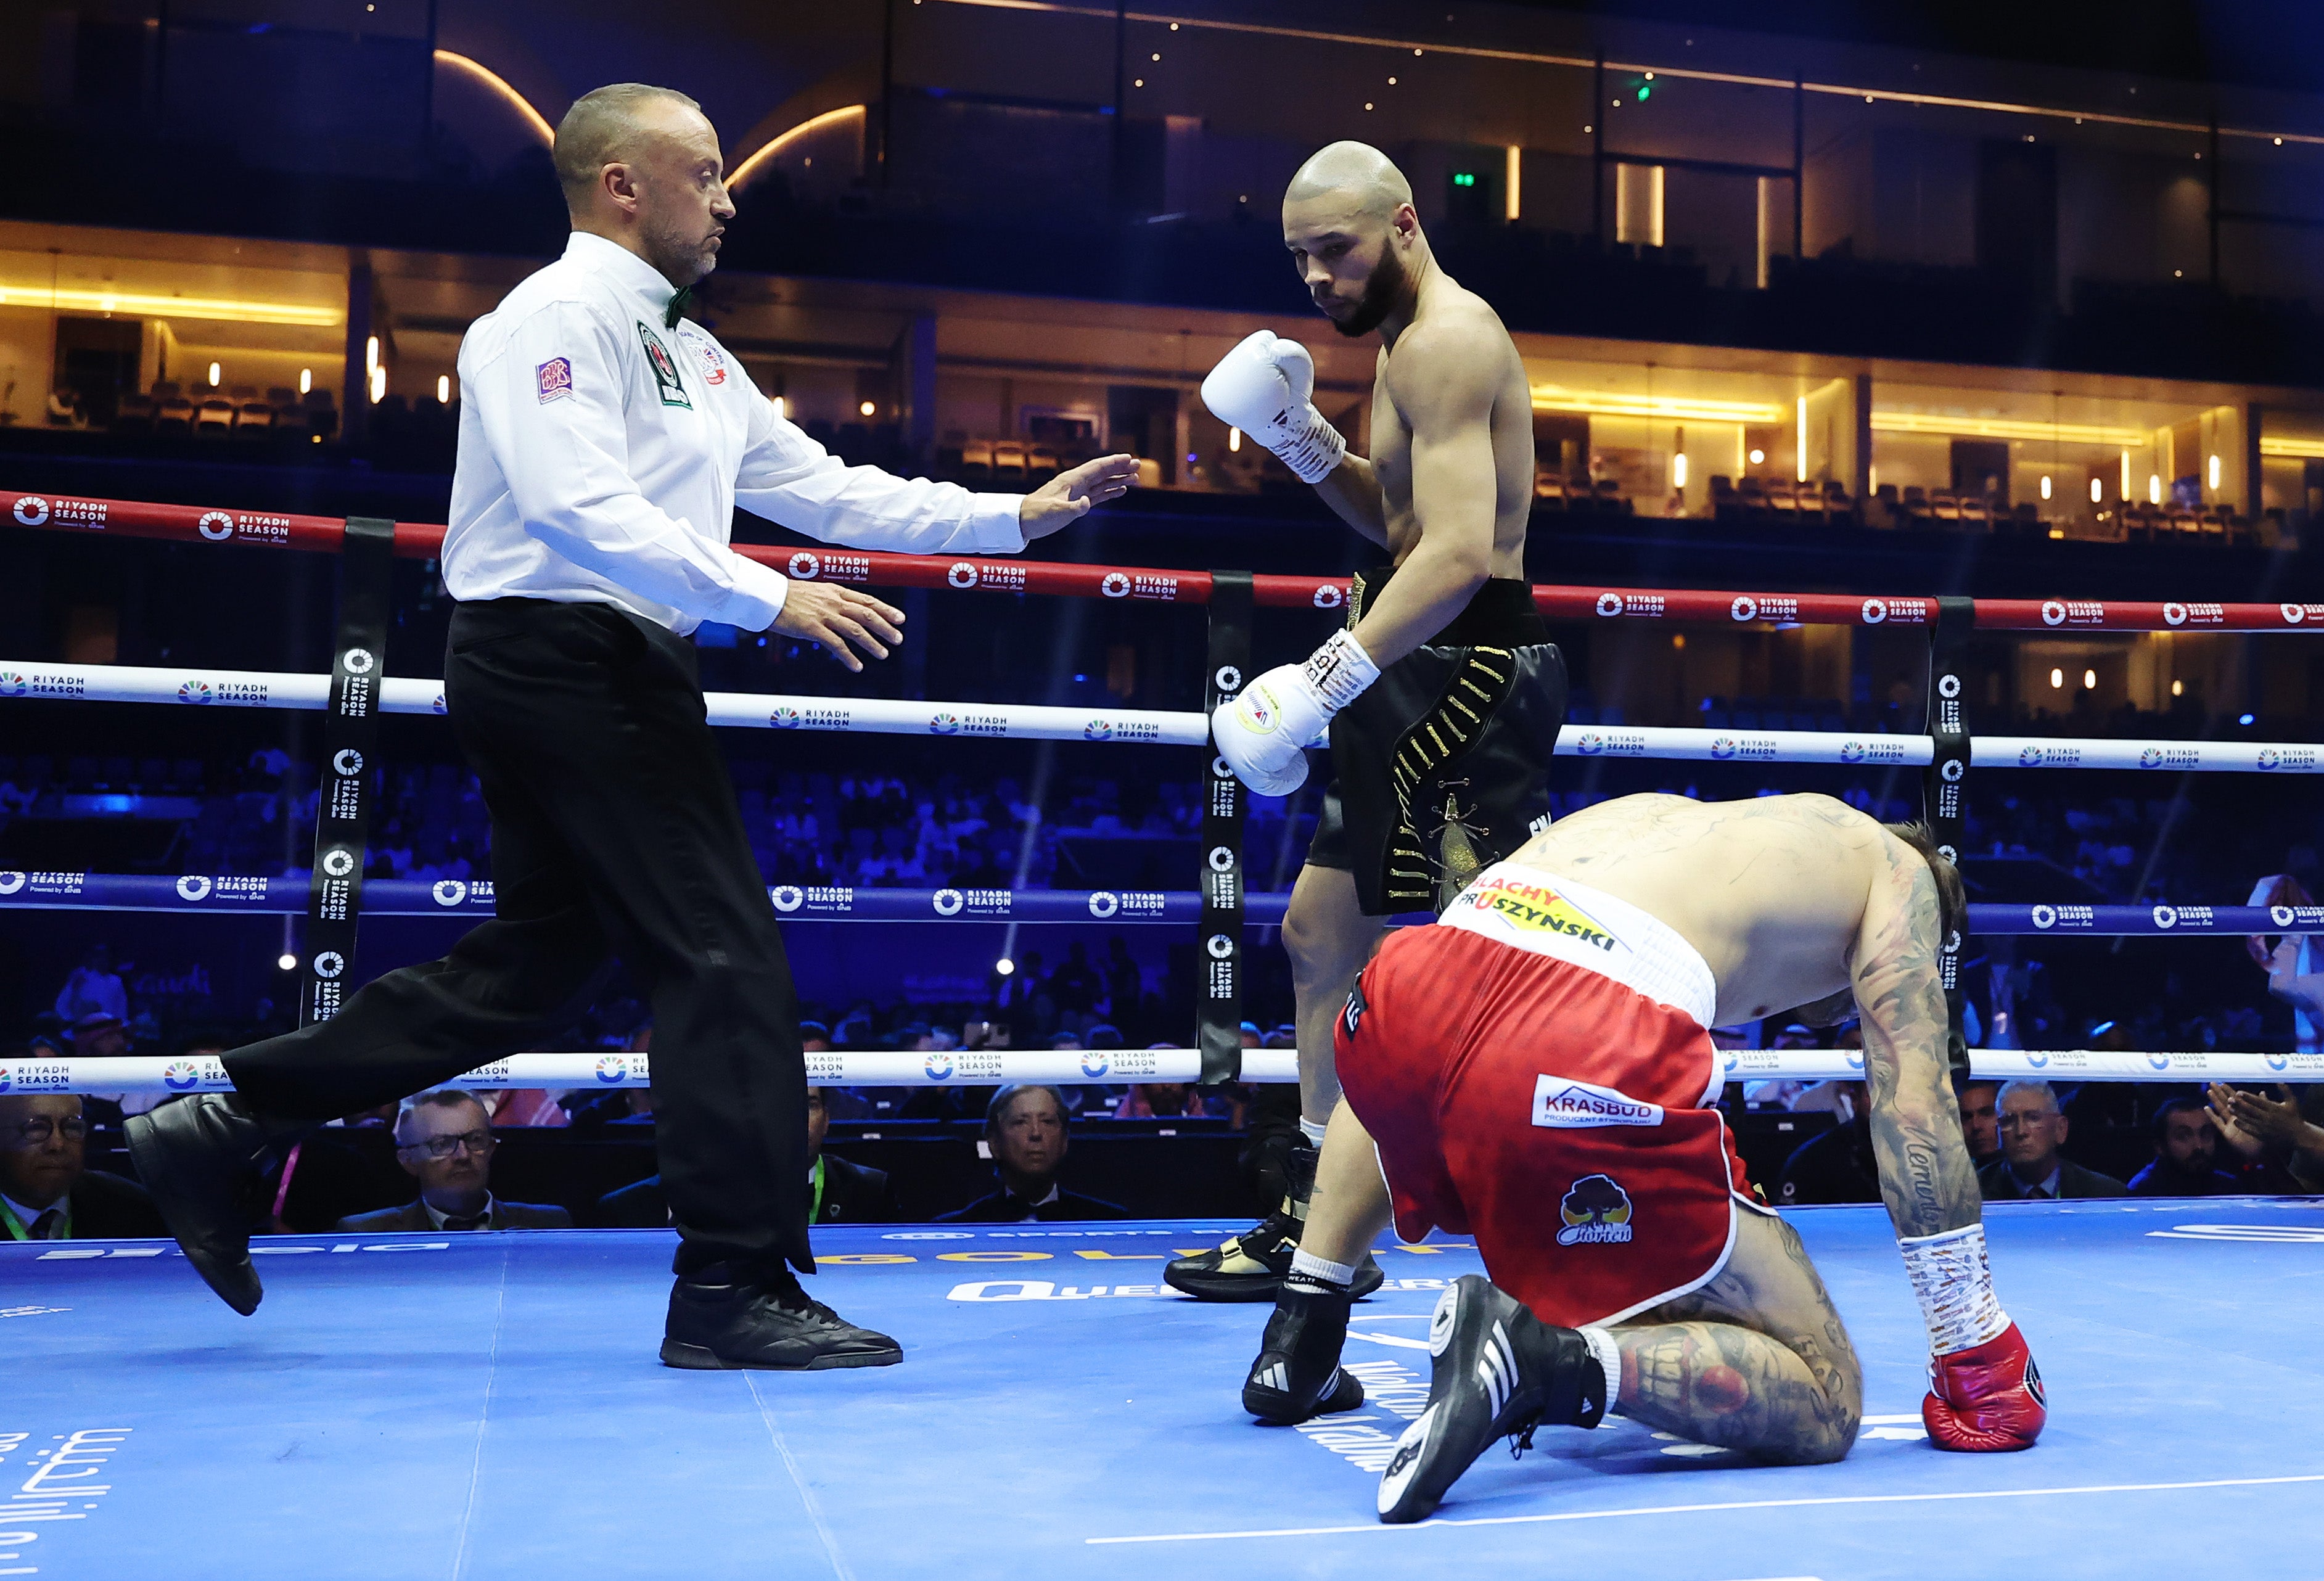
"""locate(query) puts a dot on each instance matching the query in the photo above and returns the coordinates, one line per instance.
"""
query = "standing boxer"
(604, 442)
(1444, 695)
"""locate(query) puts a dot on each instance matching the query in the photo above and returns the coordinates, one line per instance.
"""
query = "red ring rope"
(1137, 583)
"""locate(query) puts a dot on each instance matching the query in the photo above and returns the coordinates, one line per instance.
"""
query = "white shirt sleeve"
(567, 462)
(794, 482)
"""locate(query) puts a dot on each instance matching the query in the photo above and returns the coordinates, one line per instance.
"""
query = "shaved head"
(1356, 173)
(610, 125)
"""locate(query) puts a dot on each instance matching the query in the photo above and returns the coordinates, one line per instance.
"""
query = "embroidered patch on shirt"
(555, 378)
(713, 361)
(666, 383)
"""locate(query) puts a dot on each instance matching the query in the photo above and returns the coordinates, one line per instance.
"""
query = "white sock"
(1953, 1282)
(1609, 1360)
(1306, 1264)
(1311, 1130)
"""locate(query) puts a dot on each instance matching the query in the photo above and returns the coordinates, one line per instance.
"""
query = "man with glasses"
(2029, 1165)
(48, 1192)
(444, 1140)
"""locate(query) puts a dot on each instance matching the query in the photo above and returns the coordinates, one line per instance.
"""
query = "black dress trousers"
(615, 831)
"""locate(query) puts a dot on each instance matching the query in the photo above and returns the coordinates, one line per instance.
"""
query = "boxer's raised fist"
(1262, 387)
(1987, 1398)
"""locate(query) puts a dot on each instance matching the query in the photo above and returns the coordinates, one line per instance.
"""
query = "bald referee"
(604, 442)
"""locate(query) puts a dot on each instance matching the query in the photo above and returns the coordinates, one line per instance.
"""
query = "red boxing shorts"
(1536, 1070)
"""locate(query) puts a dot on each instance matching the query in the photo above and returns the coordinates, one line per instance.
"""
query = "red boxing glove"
(1986, 1398)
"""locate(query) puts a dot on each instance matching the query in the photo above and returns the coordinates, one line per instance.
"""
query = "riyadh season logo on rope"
(346, 762)
(1114, 585)
(194, 691)
(2166, 917)
(949, 902)
(612, 1068)
(449, 892)
(805, 566)
(1218, 946)
(358, 662)
(2045, 916)
(944, 724)
(2293, 614)
(784, 718)
(938, 1066)
(1094, 1065)
(10, 882)
(1951, 773)
(1104, 903)
(2052, 613)
(1227, 679)
(1609, 604)
(182, 1076)
(2279, 1062)
(1097, 730)
(1328, 596)
(789, 897)
(339, 861)
(2174, 614)
(32, 510)
(962, 575)
(329, 965)
(1876, 610)
(217, 526)
(12, 683)
(1949, 686)
(1745, 608)
(2159, 1060)
(1722, 746)
(194, 887)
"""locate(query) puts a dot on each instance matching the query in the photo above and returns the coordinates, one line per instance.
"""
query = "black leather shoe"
(1497, 1372)
(202, 1158)
(1252, 1266)
(1297, 1374)
(764, 1321)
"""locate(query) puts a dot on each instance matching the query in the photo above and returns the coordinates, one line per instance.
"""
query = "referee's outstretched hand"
(1067, 497)
(836, 616)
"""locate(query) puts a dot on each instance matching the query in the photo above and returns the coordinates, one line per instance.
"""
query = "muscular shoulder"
(1457, 355)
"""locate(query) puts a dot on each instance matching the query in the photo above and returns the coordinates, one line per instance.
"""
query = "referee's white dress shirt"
(602, 457)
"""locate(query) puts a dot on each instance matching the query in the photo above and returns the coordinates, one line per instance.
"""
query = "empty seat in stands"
(253, 418)
(1008, 462)
(1040, 466)
(135, 414)
(173, 414)
(976, 461)
(213, 418)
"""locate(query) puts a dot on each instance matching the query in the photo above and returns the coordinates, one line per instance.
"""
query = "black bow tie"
(680, 300)
(469, 1222)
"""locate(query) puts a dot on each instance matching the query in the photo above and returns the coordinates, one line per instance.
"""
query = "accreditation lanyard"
(17, 1231)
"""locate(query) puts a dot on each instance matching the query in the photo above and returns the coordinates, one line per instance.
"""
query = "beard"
(1382, 292)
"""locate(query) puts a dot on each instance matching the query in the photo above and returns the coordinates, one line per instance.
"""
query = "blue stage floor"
(490, 1407)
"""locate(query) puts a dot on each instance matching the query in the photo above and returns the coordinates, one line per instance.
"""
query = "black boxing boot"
(205, 1159)
(1498, 1372)
(726, 1318)
(1251, 1267)
(1297, 1374)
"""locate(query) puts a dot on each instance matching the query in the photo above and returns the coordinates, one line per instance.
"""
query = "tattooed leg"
(1756, 1360)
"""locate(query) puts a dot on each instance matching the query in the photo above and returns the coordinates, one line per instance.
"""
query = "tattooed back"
(1771, 891)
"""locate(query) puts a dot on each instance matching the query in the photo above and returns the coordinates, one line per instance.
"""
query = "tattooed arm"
(1925, 1175)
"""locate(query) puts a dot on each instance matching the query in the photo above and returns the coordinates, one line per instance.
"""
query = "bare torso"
(1446, 304)
(1771, 891)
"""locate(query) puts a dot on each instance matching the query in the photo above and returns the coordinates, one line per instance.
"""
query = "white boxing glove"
(1262, 387)
(1263, 732)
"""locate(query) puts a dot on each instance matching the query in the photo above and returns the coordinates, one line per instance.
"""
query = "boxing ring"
(468, 1405)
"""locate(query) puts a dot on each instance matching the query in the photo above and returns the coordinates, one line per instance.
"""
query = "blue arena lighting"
(2243, 718)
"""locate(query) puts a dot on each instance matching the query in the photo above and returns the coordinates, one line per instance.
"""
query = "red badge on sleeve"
(556, 379)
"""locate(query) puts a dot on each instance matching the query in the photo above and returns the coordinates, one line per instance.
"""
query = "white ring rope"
(125, 683)
(989, 1067)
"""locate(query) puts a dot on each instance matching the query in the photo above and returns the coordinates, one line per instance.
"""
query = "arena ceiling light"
(1681, 407)
(2306, 449)
(2005, 427)
(499, 87)
(155, 305)
(780, 141)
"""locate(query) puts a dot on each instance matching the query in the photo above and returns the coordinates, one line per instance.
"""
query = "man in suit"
(2029, 1165)
(1024, 1128)
(842, 1192)
(444, 1140)
(48, 1192)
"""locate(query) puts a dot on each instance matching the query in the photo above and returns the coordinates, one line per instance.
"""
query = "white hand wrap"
(1954, 1281)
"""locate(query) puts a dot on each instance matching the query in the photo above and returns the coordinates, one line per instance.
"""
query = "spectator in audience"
(1167, 1100)
(2281, 1129)
(100, 1035)
(1980, 1121)
(628, 1105)
(1838, 1166)
(527, 1106)
(94, 988)
(2295, 973)
(2010, 1004)
(2184, 1144)
(2030, 1166)
(444, 1140)
(1075, 988)
(842, 1192)
(1024, 1128)
(48, 1192)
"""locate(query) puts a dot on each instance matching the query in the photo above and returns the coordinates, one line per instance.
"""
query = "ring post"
(350, 748)
(1944, 783)
(1219, 1020)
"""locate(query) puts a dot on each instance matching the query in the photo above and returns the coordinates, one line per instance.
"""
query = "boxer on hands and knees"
(1442, 694)
(605, 441)
(1537, 1071)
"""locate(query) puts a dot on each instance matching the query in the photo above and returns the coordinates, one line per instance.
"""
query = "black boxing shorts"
(1442, 767)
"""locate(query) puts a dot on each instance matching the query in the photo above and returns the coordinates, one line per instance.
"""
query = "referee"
(604, 442)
